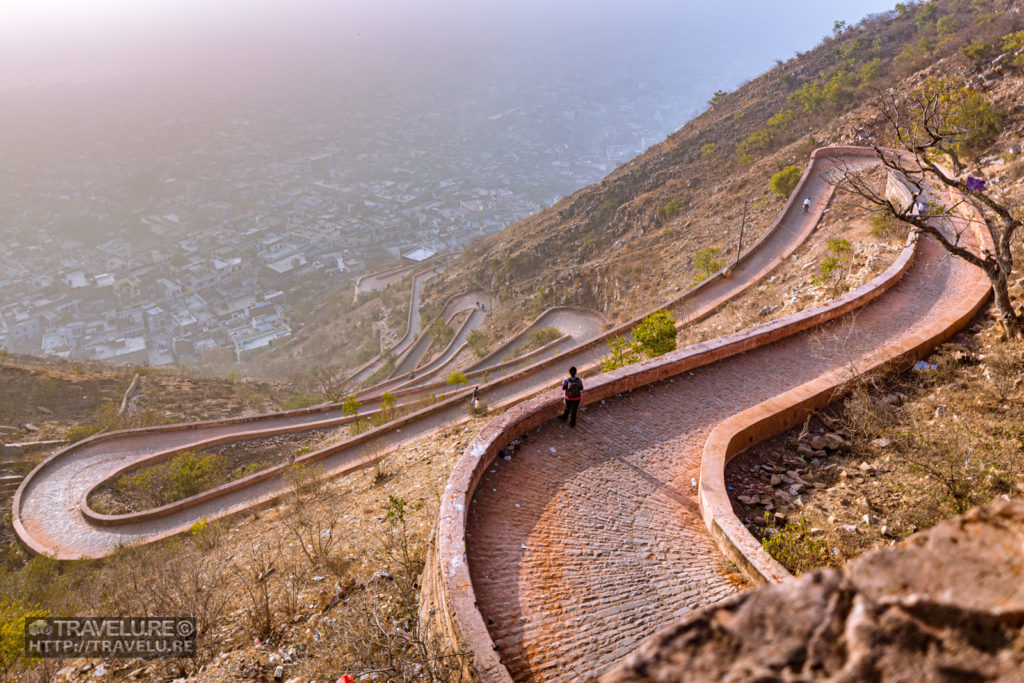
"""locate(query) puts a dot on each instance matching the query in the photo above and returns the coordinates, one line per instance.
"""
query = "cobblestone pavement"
(589, 539)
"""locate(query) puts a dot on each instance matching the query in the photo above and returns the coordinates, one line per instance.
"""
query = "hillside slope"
(623, 244)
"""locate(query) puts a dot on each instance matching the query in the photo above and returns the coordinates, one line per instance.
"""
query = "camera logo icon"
(40, 627)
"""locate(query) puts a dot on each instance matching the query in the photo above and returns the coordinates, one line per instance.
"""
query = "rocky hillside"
(626, 243)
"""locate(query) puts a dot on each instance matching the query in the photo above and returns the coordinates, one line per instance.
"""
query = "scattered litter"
(100, 670)
(729, 488)
(319, 578)
(693, 482)
(523, 546)
(552, 449)
(924, 366)
(517, 504)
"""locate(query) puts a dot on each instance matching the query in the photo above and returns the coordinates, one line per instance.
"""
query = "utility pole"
(739, 246)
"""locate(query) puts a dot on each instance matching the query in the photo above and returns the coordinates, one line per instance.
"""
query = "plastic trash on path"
(924, 366)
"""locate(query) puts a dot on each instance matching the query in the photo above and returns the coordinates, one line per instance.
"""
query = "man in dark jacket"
(572, 390)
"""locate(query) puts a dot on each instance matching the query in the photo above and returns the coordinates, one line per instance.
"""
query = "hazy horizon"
(45, 42)
(244, 149)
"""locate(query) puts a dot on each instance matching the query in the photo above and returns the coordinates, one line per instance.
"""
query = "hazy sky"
(48, 41)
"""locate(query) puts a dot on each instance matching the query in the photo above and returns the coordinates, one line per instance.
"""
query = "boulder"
(944, 605)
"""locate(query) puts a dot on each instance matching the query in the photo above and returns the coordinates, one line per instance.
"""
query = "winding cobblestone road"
(46, 510)
(588, 540)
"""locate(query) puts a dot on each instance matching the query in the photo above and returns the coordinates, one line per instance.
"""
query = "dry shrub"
(253, 574)
(378, 629)
(170, 579)
(313, 518)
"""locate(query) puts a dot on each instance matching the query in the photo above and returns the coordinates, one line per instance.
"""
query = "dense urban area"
(196, 227)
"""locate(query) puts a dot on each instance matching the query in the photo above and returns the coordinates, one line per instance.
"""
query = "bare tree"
(941, 121)
(331, 384)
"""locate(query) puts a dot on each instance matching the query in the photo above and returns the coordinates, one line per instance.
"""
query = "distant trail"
(46, 510)
(412, 325)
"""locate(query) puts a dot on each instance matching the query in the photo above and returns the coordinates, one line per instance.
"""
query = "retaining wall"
(458, 595)
(751, 426)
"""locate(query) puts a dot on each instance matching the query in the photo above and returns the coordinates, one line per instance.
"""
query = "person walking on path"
(572, 391)
(807, 204)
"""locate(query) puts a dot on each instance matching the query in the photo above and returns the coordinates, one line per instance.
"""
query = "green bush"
(707, 150)
(810, 96)
(184, 475)
(968, 121)
(670, 209)
(758, 141)
(440, 332)
(457, 378)
(652, 336)
(870, 71)
(1013, 41)
(621, 352)
(794, 546)
(245, 470)
(477, 341)
(717, 97)
(781, 120)
(656, 334)
(539, 338)
(706, 263)
(351, 405)
(785, 181)
(979, 50)
(13, 613)
(947, 27)
(926, 15)
(836, 267)
(297, 400)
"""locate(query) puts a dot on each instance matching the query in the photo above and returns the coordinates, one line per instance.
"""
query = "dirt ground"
(911, 451)
(315, 610)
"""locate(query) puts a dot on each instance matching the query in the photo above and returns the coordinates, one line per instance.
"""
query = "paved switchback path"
(46, 515)
(607, 543)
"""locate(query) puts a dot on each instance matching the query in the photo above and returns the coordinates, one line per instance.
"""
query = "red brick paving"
(606, 544)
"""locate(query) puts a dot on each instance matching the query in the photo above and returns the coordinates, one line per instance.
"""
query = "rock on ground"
(947, 605)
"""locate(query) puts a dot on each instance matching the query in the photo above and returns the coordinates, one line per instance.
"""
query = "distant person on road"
(572, 390)
(807, 204)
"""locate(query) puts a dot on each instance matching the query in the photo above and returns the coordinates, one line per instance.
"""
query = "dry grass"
(925, 446)
(326, 580)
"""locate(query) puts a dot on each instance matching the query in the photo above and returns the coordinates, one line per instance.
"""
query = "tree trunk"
(1011, 320)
